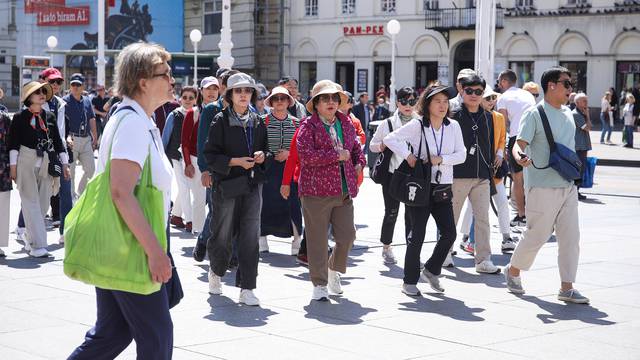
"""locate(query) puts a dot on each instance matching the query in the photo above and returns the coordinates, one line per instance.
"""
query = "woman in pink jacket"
(330, 160)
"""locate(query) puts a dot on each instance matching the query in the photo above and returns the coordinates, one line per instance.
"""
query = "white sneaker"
(20, 234)
(387, 256)
(410, 290)
(215, 283)
(295, 245)
(263, 245)
(247, 297)
(432, 279)
(334, 282)
(448, 261)
(61, 240)
(487, 267)
(39, 253)
(320, 293)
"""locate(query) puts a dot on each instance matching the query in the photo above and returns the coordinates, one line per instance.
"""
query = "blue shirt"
(79, 114)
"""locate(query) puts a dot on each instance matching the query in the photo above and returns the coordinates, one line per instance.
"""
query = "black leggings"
(391, 207)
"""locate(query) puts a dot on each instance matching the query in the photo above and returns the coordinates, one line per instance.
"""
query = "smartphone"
(522, 155)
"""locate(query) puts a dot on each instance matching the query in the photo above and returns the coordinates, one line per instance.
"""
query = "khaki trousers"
(83, 153)
(546, 209)
(35, 188)
(478, 192)
(319, 212)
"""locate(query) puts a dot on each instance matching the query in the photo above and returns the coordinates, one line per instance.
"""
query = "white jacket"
(59, 117)
(381, 132)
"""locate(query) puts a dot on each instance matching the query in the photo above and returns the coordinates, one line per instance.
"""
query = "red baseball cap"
(51, 74)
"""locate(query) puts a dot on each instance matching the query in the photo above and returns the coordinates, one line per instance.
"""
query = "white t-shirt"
(137, 136)
(516, 101)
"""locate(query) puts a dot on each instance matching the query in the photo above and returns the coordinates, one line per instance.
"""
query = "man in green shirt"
(551, 201)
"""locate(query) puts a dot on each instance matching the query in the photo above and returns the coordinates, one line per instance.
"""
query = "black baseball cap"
(77, 78)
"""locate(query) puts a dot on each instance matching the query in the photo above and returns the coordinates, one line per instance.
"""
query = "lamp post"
(52, 42)
(393, 28)
(225, 60)
(101, 62)
(195, 37)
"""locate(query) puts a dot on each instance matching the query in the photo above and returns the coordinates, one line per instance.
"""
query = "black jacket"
(227, 140)
(173, 147)
(480, 163)
(358, 111)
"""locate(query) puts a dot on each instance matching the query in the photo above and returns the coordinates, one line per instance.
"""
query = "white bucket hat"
(279, 90)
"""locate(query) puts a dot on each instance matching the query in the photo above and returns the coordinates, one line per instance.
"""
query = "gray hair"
(579, 96)
(136, 61)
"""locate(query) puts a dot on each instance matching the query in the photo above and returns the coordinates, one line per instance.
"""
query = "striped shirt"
(280, 132)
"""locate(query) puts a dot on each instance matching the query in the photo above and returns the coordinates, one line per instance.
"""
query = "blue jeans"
(65, 201)
(629, 130)
(606, 128)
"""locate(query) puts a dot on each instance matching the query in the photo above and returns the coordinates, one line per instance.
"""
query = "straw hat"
(279, 90)
(325, 87)
(31, 87)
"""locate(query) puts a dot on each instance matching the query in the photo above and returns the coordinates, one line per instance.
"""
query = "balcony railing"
(462, 18)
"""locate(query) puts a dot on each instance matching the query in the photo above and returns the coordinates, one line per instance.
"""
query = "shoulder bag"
(412, 186)
(380, 171)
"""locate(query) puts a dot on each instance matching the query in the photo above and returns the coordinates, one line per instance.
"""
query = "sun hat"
(325, 87)
(240, 80)
(466, 73)
(488, 92)
(51, 74)
(209, 81)
(448, 90)
(262, 91)
(31, 87)
(279, 90)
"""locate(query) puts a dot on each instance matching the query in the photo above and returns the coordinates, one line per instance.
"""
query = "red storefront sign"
(357, 30)
(33, 6)
(64, 16)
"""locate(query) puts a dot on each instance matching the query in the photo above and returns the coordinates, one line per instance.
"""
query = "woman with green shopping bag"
(139, 186)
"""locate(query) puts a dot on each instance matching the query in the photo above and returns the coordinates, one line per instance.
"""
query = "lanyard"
(248, 134)
(438, 148)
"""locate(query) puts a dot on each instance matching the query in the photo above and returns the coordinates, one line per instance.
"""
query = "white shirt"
(627, 114)
(453, 151)
(136, 137)
(515, 101)
(381, 132)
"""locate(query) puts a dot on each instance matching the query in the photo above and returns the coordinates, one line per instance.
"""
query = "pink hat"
(51, 74)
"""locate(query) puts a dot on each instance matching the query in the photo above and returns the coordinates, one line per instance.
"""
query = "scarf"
(242, 119)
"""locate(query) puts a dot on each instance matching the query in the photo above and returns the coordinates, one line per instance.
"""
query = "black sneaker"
(582, 197)
(199, 251)
(519, 221)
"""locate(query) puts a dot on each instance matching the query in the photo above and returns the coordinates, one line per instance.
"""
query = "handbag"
(234, 187)
(173, 287)
(100, 249)
(587, 176)
(55, 166)
(380, 172)
(412, 186)
(563, 160)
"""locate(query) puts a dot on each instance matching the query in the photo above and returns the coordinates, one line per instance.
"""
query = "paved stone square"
(44, 315)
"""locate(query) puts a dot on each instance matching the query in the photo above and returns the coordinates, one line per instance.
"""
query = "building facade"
(8, 46)
(345, 40)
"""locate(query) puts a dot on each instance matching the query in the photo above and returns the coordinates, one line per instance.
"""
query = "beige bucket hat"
(326, 87)
(32, 86)
(279, 90)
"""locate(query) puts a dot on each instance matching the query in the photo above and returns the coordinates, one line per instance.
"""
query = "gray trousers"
(35, 188)
(83, 153)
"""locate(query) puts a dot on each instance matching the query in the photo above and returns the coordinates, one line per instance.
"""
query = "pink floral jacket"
(319, 165)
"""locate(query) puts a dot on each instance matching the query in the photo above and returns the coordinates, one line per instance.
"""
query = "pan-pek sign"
(64, 16)
(360, 30)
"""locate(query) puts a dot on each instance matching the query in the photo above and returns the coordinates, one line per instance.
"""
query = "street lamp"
(393, 28)
(52, 42)
(225, 60)
(195, 37)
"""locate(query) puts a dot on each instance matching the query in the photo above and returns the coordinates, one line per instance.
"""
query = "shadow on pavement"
(337, 311)
(394, 271)
(238, 315)
(279, 260)
(444, 306)
(562, 311)
(593, 201)
(491, 280)
(26, 262)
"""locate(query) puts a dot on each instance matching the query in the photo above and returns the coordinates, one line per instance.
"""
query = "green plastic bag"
(100, 249)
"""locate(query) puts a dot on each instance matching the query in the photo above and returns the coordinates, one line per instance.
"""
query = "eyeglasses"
(470, 91)
(188, 98)
(167, 75)
(491, 98)
(567, 83)
(277, 98)
(329, 97)
(243, 90)
(56, 82)
(405, 102)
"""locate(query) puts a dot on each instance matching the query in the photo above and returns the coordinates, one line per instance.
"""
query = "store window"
(388, 6)
(212, 16)
(578, 2)
(381, 76)
(310, 7)
(524, 3)
(348, 7)
(431, 4)
(345, 75)
(578, 74)
(627, 75)
(524, 71)
(426, 73)
(308, 74)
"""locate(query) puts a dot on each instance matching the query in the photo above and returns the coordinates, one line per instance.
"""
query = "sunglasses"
(39, 92)
(188, 98)
(470, 91)
(244, 90)
(75, 84)
(491, 98)
(535, 95)
(56, 82)
(567, 84)
(405, 102)
(329, 97)
(277, 98)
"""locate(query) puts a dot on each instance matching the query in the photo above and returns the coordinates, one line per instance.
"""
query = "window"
(524, 71)
(212, 16)
(344, 75)
(310, 7)
(471, 3)
(577, 2)
(578, 74)
(524, 3)
(348, 7)
(388, 6)
(431, 4)
(308, 74)
(426, 73)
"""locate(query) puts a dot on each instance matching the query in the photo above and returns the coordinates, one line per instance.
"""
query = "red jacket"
(292, 166)
(189, 137)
